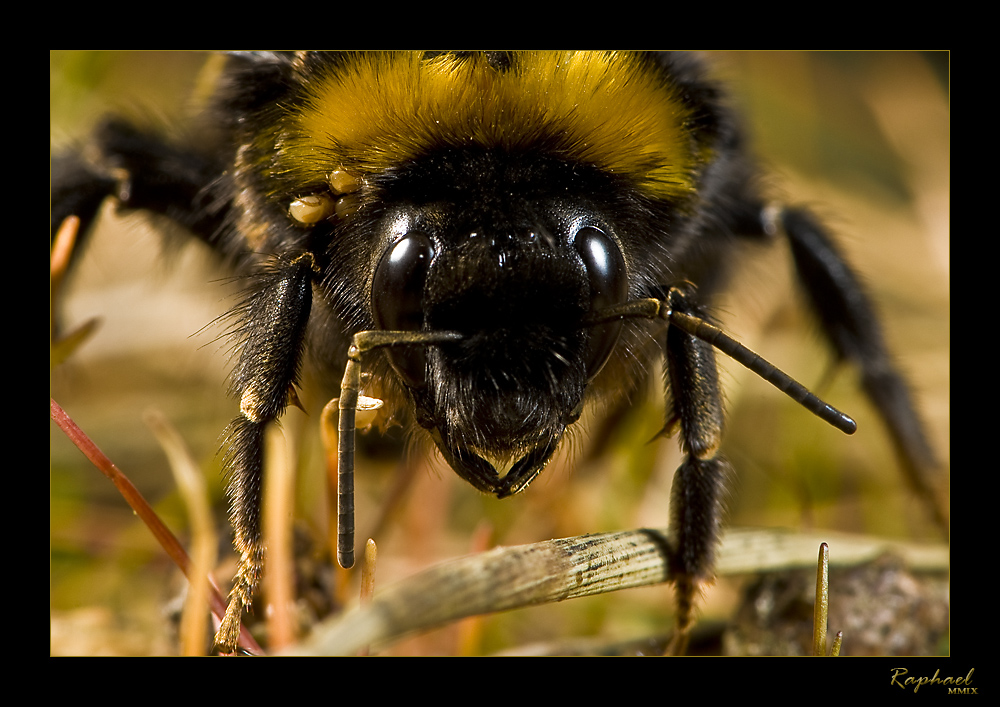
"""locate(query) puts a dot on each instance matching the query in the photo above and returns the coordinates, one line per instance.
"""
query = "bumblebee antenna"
(350, 387)
(713, 335)
(700, 329)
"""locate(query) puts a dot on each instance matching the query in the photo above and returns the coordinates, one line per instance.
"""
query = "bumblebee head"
(481, 242)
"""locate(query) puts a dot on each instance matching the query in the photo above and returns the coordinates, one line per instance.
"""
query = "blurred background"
(863, 138)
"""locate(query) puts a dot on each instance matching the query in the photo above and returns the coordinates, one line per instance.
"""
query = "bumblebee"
(499, 239)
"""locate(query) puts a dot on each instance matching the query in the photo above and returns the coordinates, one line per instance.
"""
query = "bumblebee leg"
(143, 171)
(698, 486)
(270, 333)
(78, 190)
(849, 322)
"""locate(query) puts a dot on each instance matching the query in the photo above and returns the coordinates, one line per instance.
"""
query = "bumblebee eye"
(397, 299)
(608, 286)
(308, 210)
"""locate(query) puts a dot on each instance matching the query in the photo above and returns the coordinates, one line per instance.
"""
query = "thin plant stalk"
(130, 493)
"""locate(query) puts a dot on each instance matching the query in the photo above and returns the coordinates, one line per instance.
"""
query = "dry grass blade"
(278, 509)
(838, 640)
(746, 550)
(61, 345)
(822, 606)
(368, 579)
(498, 580)
(368, 572)
(191, 483)
(525, 575)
